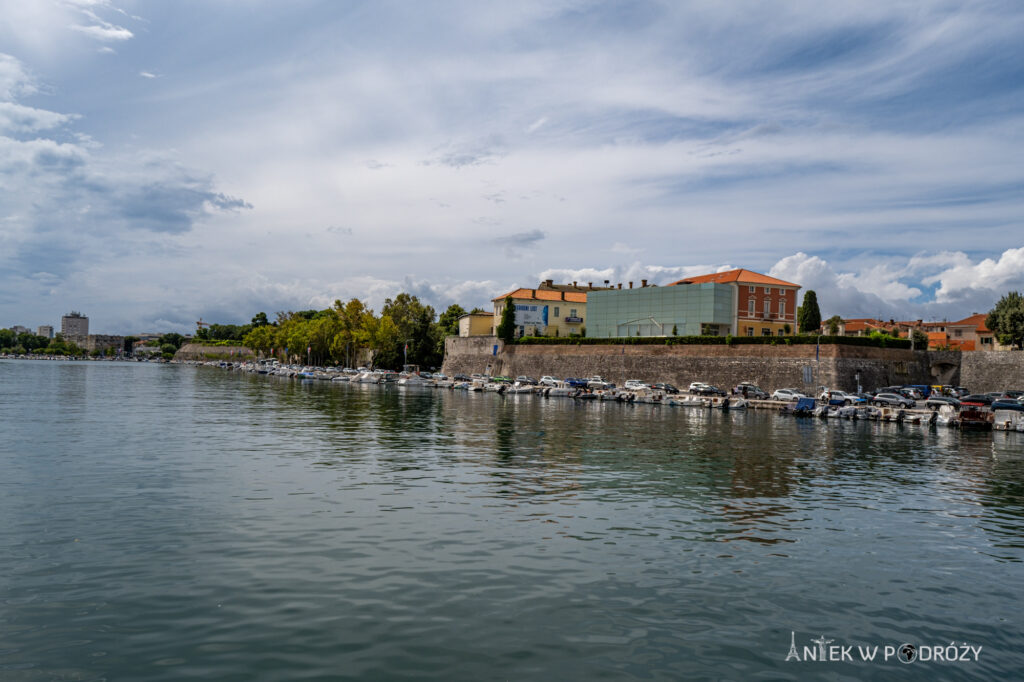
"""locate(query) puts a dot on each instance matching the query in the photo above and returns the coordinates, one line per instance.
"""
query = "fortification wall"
(196, 351)
(984, 371)
(770, 367)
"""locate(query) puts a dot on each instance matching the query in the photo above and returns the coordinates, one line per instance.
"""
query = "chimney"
(574, 282)
(549, 282)
(563, 295)
(606, 282)
(643, 283)
(630, 285)
(620, 285)
(533, 293)
(590, 285)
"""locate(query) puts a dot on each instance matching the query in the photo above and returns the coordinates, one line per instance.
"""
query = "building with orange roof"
(971, 333)
(549, 309)
(763, 305)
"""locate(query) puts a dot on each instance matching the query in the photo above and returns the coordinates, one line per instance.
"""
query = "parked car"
(708, 389)
(787, 394)
(935, 401)
(576, 382)
(912, 393)
(526, 380)
(892, 400)
(461, 377)
(846, 398)
(697, 386)
(750, 391)
(667, 388)
(634, 384)
(548, 380)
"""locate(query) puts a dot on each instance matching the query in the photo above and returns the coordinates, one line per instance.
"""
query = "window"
(958, 332)
(765, 331)
(751, 304)
(767, 307)
(782, 332)
(556, 311)
(753, 289)
(767, 290)
(572, 312)
(986, 340)
(750, 331)
(782, 308)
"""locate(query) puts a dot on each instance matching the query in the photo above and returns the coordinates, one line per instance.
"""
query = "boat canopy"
(804, 404)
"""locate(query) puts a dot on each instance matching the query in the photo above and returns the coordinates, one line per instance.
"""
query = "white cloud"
(147, 74)
(15, 118)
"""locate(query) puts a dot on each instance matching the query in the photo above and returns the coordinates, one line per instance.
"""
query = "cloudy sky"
(165, 161)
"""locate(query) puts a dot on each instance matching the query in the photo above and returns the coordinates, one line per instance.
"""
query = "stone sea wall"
(836, 366)
(197, 351)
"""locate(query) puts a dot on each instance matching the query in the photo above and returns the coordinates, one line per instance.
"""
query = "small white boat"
(1007, 417)
(946, 416)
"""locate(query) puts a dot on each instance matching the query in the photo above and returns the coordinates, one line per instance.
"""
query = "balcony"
(574, 320)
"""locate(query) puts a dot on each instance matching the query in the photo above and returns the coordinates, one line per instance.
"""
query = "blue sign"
(495, 350)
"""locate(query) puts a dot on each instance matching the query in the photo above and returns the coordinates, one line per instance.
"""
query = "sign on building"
(531, 315)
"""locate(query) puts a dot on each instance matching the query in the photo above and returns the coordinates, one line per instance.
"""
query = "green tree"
(447, 325)
(507, 327)
(172, 338)
(809, 317)
(128, 346)
(919, 338)
(260, 320)
(168, 349)
(415, 324)
(7, 339)
(1006, 320)
(833, 324)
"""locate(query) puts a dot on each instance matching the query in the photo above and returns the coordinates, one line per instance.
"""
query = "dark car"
(526, 380)
(461, 377)
(667, 388)
(710, 390)
(936, 401)
(750, 391)
(892, 400)
(576, 382)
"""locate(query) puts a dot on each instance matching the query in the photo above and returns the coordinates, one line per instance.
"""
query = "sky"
(162, 162)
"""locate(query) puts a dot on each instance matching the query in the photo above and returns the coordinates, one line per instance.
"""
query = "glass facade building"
(692, 309)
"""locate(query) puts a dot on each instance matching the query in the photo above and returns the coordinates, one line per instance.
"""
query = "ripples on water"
(166, 523)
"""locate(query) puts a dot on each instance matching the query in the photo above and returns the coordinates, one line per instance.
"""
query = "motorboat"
(1007, 415)
(976, 412)
(946, 415)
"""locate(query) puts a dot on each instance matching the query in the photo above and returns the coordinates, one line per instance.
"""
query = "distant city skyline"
(166, 162)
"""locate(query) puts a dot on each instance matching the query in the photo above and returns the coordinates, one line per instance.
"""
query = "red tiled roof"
(739, 276)
(977, 320)
(543, 295)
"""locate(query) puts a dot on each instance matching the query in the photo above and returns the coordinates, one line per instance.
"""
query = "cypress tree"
(507, 326)
(809, 316)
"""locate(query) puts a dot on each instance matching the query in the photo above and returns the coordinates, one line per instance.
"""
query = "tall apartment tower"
(74, 324)
(45, 330)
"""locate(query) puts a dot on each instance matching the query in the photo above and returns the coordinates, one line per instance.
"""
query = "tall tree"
(507, 327)
(414, 322)
(447, 325)
(833, 324)
(809, 317)
(1006, 320)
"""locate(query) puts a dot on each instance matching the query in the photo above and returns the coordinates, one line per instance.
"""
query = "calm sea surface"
(167, 523)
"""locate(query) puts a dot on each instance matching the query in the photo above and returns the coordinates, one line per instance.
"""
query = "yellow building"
(476, 324)
(550, 309)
